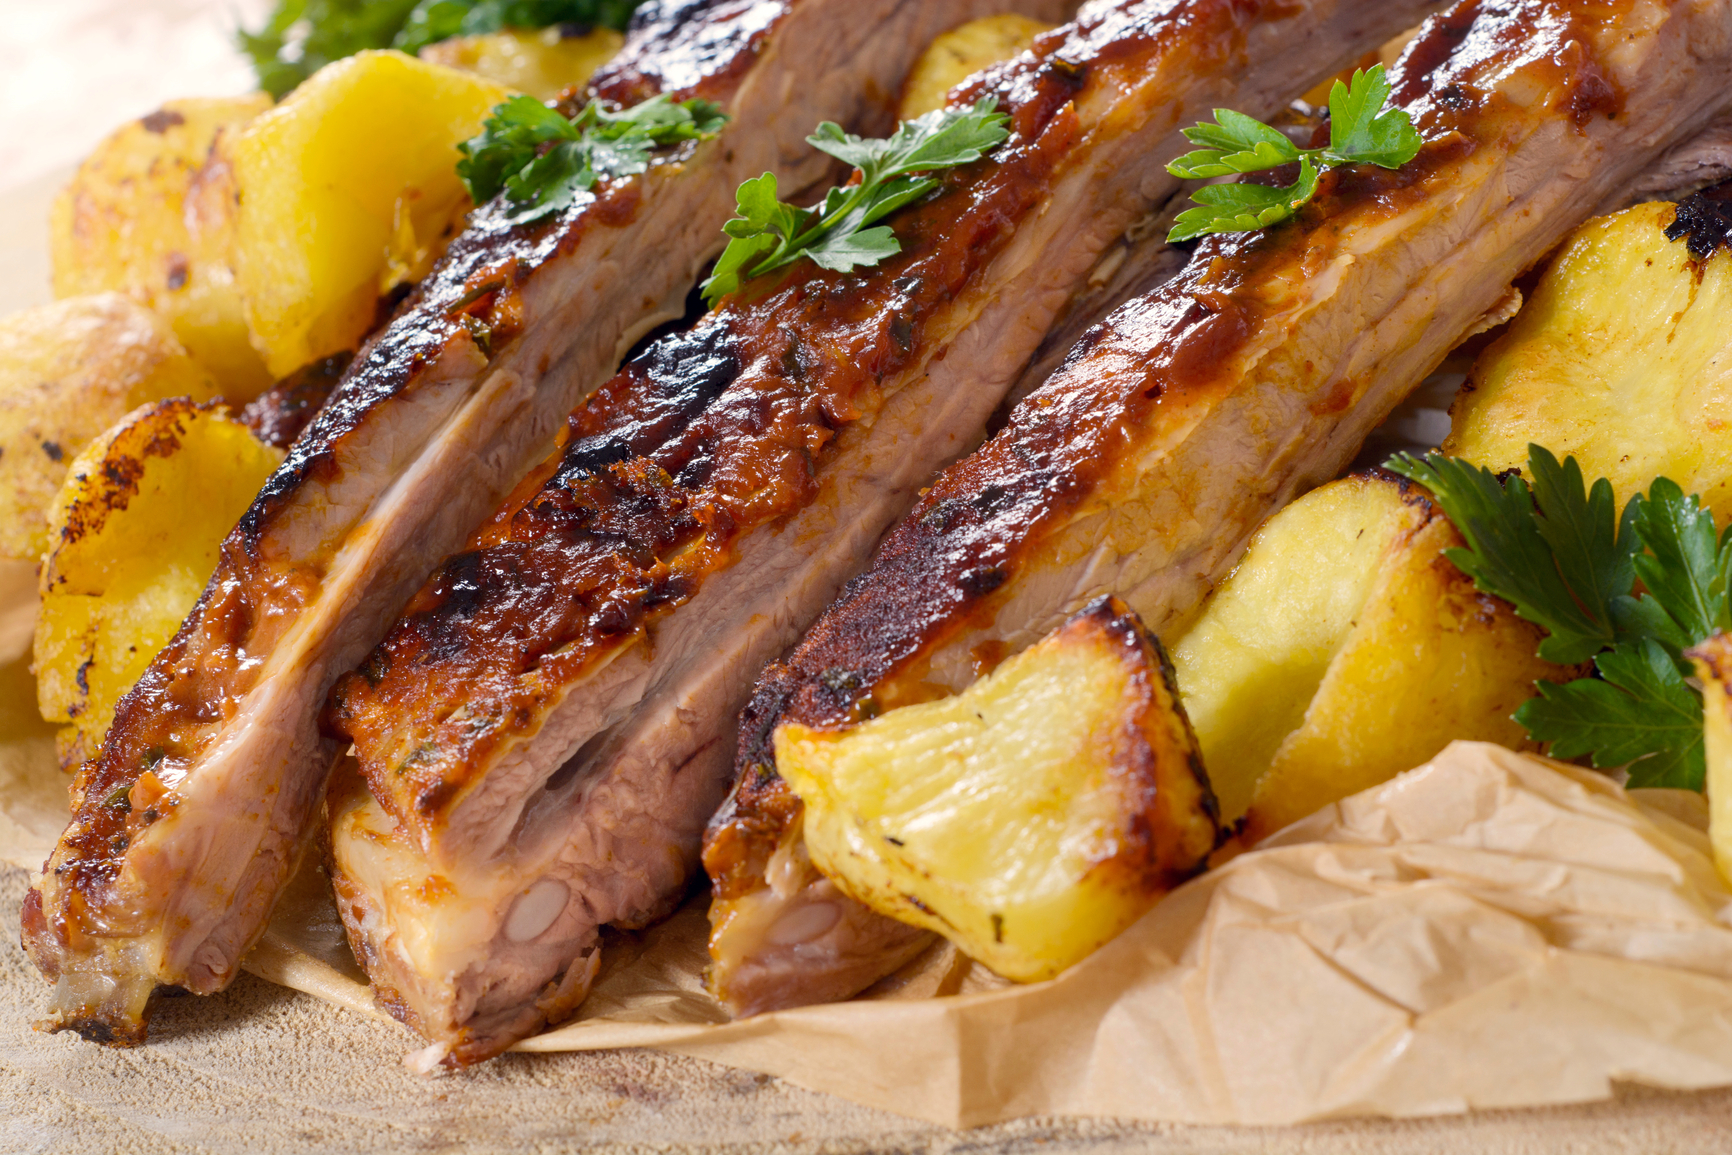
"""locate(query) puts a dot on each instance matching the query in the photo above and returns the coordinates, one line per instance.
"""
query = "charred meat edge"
(551, 723)
(1174, 428)
(202, 801)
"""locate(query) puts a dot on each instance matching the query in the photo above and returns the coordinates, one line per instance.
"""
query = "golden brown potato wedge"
(143, 216)
(542, 62)
(1621, 357)
(1713, 661)
(1345, 649)
(347, 188)
(1251, 663)
(67, 372)
(954, 56)
(1030, 818)
(1429, 660)
(135, 532)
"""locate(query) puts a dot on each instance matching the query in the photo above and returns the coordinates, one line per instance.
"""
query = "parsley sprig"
(434, 20)
(1560, 553)
(302, 36)
(511, 154)
(1361, 131)
(770, 234)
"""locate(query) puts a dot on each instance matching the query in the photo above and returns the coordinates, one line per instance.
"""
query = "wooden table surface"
(261, 1069)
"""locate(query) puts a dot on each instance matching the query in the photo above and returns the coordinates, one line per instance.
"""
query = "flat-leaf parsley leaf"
(1684, 570)
(1513, 553)
(1362, 130)
(512, 153)
(1639, 712)
(841, 234)
(1562, 555)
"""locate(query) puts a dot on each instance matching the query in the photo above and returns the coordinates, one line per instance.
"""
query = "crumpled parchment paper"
(1487, 930)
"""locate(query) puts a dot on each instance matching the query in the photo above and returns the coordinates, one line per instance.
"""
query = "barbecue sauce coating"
(465, 312)
(712, 434)
(949, 563)
(196, 683)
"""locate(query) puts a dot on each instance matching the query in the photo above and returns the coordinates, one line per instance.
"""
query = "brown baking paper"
(1488, 930)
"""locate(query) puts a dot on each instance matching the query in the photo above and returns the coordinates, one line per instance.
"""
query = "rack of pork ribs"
(798, 479)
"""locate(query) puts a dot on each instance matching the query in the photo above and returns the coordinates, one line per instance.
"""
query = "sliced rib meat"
(1175, 427)
(549, 727)
(195, 813)
(1136, 263)
(1702, 160)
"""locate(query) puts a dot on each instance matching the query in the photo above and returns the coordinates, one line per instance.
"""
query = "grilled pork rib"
(203, 797)
(549, 727)
(1175, 427)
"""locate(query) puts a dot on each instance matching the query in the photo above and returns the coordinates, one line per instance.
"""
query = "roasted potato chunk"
(1429, 660)
(1713, 661)
(542, 63)
(954, 56)
(1251, 663)
(135, 533)
(1622, 358)
(347, 187)
(67, 372)
(1030, 818)
(1345, 649)
(145, 216)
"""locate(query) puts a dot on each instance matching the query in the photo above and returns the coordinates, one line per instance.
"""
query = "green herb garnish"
(1562, 570)
(770, 234)
(434, 20)
(1362, 130)
(1639, 711)
(511, 156)
(1568, 563)
(302, 36)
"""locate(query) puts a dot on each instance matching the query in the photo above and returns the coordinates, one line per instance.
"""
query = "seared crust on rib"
(201, 802)
(1174, 428)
